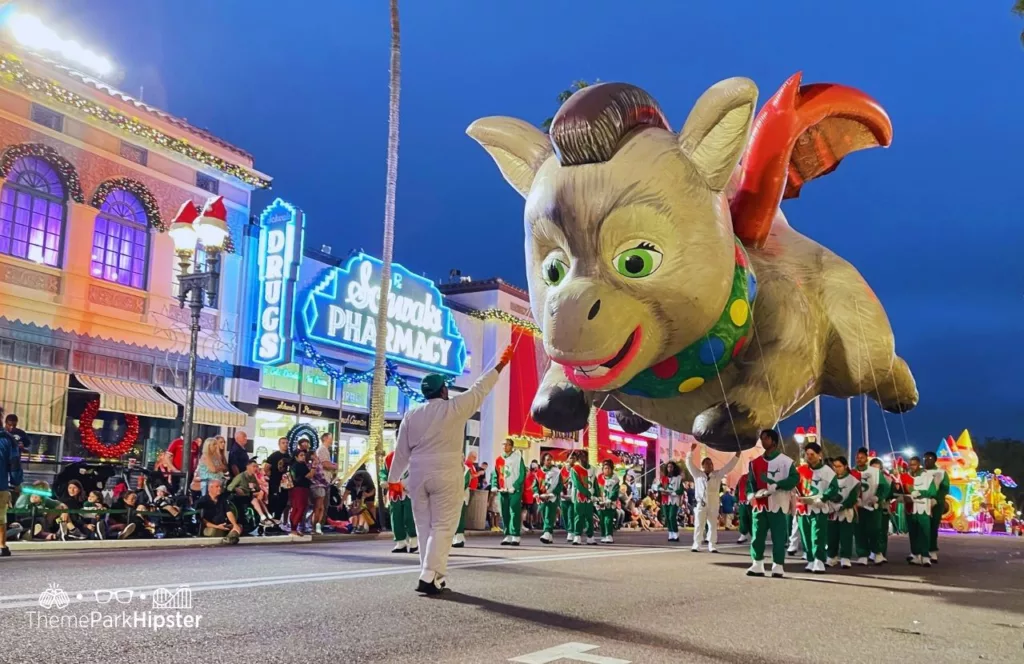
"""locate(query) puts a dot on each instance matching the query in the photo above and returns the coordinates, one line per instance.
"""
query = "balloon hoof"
(561, 409)
(632, 423)
(725, 428)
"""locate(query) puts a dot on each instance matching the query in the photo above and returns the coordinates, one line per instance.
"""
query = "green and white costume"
(460, 532)
(609, 498)
(671, 489)
(771, 479)
(582, 504)
(513, 477)
(549, 494)
(843, 516)
(923, 494)
(822, 489)
(941, 481)
(884, 496)
(868, 511)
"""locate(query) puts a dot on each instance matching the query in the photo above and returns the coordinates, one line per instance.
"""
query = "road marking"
(88, 596)
(574, 652)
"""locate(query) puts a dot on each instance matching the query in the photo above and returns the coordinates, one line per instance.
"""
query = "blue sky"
(934, 222)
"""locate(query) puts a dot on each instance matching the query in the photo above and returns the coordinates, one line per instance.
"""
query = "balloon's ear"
(516, 146)
(716, 131)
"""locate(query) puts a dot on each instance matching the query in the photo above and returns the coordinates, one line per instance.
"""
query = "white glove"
(915, 494)
(762, 493)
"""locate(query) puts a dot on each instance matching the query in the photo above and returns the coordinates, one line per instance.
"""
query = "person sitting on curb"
(217, 517)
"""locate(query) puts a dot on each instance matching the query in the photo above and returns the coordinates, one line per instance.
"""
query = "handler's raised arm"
(467, 403)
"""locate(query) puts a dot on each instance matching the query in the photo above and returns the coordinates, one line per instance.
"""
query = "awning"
(213, 409)
(120, 396)
(36, 396)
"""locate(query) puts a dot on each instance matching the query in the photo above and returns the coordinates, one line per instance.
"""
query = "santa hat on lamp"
(212, 224)
(182, 229)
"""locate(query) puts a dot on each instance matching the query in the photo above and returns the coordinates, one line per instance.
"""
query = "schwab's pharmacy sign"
(279, 254)
(341, 310)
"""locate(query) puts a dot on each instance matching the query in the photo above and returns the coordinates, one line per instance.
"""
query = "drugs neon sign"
(280, 252)
(341, 310)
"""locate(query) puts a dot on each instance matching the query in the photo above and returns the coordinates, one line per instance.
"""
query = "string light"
(65, 169)
(12, 70)
(505, 317)
(135, 188)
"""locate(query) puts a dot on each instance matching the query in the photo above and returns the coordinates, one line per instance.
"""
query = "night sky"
(934, 222)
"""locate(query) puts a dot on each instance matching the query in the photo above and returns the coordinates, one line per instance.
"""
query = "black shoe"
(127, 532)
(427, 588)
(5, 552)
(76, 534)
(458, 545)
(414, 549)
(400, 550)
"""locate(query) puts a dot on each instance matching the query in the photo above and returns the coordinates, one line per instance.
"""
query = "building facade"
(90, 323)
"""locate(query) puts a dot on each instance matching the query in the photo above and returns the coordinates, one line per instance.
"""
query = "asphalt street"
(639, 600)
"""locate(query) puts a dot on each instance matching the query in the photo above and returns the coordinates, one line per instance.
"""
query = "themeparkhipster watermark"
(170, 609)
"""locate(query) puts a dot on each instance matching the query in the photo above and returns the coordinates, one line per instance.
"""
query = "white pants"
(436, 507)
(794, 536)
(705, 520)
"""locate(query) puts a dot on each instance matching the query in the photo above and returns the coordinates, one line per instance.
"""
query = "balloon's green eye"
(640, 261)
(554, 270)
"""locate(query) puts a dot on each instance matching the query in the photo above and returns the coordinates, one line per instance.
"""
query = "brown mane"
(591, 125)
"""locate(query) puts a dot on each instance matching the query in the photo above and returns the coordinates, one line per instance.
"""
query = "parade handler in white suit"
(707, 487)
(430, 445)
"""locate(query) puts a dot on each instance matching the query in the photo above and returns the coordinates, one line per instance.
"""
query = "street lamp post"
(197, 286)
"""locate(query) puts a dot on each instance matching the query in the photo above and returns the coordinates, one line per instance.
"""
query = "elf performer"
(608, 484)
(802, 491)
(843, 515)
(468, 470)
(582, 499)
(865, 532)
(884, 495)
(924, 495)
(941, 480)
(771, 479)
(670, 491)
(568, 515)
(403, 528)
(549, 493)
(819, 490)
(707, 490)
(510, 493)
(902, 485)
(743, 511)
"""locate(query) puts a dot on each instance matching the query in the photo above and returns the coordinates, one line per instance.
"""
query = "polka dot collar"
(702, 360)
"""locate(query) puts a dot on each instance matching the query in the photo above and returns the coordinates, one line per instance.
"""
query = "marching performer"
(941, 480)
(468, 475)
(568, 516)
(549, 494)
(582, 500)
(843, 515)
(883, 494)
(403, 527)
(608, 483)
(866, 528)
(430, 440)
(744, 512)
(770, 482)
(924, 495)
(820, 490)
(802, 491)
(669, 491)
(510, 492)
(707, 489)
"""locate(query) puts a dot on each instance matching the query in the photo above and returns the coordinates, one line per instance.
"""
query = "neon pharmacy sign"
(341, 310)
(278, 259)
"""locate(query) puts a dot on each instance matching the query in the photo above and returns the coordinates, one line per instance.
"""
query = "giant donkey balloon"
(667, 282)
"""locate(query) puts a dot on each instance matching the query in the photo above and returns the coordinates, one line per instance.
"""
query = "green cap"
(431, 385)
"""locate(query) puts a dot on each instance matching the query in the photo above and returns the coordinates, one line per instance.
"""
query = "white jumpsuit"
(430, 444)
(706, 489)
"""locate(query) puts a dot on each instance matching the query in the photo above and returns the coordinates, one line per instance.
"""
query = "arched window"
(32, 209)
(120, 241)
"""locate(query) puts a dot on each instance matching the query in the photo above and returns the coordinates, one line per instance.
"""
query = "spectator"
(125, 519)
(216, 516)
(10, 478)
(238, 456)
(362, 491)
(475, 474)
(322, 480)
(42, 523)
(247, 487)
(485, 478)
(302, 476)
(72, 526)
(165, 472)
(279, 482)
(728, 506)
(177, 451)
(19, 436)
(213, 464)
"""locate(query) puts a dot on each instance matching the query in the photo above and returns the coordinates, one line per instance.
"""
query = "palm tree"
(377, 387)
(576, 86)
(1018, 10)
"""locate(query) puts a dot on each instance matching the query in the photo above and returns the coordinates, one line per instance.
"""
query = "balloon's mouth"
(593, 375)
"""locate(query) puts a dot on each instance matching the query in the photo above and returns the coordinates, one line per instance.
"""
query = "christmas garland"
(13, 70)
(391, 374)
(93, 445)
(135, 188)
(505, 317)
(65, 169)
